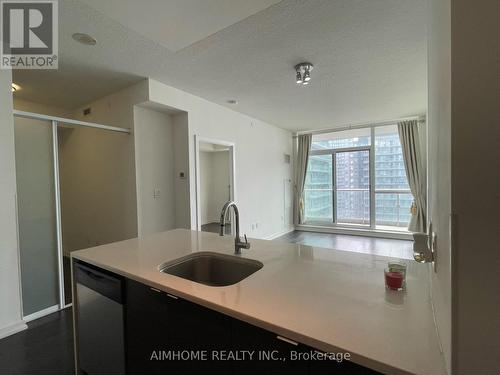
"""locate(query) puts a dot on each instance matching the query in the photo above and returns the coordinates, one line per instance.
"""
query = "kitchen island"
(321, 299)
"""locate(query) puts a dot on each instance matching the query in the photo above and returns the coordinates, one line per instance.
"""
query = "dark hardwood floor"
(45, 348)
(359, 244)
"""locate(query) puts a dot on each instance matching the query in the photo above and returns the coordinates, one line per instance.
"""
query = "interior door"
(36, 214)
(352, 187)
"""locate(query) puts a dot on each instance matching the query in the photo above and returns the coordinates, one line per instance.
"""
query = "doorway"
(215, 183)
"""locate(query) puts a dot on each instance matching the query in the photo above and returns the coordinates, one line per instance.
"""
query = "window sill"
(368, 232)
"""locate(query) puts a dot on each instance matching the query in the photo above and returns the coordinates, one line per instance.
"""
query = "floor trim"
(276, 235)
(41, 313)
(12, 329)
(355, 232)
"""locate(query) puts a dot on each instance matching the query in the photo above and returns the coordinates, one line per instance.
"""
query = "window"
(342, 139)
(393, 198)
(340, 188)
(353, 187)
(318, 189)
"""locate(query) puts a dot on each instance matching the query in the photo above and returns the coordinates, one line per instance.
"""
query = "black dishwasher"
(100, 321)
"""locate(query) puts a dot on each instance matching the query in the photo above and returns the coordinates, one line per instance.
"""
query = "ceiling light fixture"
(303, 73)
(84, 39)
(15, 87)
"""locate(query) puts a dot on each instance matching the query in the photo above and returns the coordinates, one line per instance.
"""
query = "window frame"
(372, 187)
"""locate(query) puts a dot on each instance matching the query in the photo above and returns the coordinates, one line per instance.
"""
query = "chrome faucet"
(238, 244)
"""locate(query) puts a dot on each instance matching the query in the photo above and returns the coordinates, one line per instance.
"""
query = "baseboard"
(13, 328)
(279, 234)
(41, 313)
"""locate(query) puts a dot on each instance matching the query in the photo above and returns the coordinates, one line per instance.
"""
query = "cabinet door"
(202, 332)
(321, 366)
(146, 328)
(272, 354)
(168, 335)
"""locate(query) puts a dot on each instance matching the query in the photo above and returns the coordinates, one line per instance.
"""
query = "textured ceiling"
(176, 24)
(369, 57)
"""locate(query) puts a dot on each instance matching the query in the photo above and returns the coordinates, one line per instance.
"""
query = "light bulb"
(298, 77)
(307, 76)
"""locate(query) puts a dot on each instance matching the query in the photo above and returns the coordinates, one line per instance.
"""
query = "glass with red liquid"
(394, 279)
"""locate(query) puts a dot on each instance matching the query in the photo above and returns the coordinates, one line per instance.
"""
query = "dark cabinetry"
(166, 334)
(146, 327)
(272, 354)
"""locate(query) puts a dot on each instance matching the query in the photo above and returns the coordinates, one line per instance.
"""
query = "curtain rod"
(62, 120)
(360, 125)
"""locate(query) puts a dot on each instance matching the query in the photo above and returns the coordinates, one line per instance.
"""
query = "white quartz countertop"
(329, 299)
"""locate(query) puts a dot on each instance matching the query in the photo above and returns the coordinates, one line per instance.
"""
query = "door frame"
(232, 173)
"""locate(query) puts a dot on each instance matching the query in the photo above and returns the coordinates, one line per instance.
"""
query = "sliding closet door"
(36, 214)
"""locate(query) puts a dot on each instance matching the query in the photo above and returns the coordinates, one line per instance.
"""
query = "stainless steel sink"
(212, 269)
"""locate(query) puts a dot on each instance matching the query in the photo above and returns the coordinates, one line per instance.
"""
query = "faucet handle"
(247, 244)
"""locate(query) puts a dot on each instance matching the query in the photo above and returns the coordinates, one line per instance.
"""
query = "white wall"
(464, 180)
(28, 106)
(10, 298)
(475, 187)
(181, 165)
(154, 157)
(98, 183)
(220, 181)
(260, 166)
(206, 164)
(214, 184)
(439, 163)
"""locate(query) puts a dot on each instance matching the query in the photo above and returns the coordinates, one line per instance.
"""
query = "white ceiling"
(176, 24)
(369, 57)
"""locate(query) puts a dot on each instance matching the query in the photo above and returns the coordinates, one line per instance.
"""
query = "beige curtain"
(302, 157)
(410, 143)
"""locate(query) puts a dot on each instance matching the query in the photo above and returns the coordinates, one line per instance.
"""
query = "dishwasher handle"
(101, 281)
